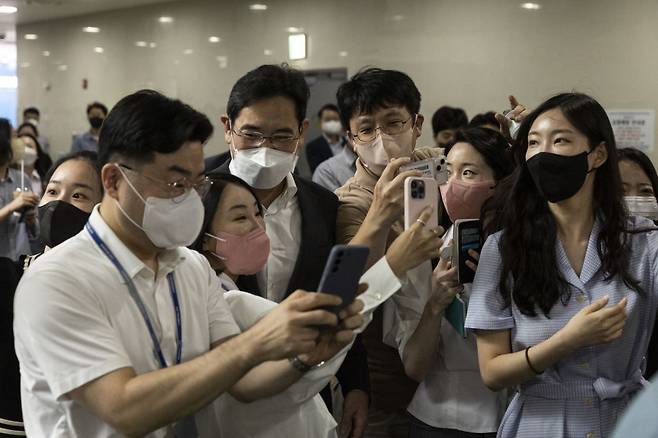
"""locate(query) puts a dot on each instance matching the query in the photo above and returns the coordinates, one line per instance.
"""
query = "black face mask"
(59, 221)
(96, 122)
(558, 177)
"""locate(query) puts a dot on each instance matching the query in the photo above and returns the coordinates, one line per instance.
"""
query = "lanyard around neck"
(132, 289)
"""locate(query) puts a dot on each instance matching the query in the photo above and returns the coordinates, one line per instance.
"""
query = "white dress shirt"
(299, 411)
(452, 396)
(283, 220)
(75, 321)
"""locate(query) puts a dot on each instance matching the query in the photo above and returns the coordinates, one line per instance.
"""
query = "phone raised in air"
(467, 235)
(419, 193)
(343, 271)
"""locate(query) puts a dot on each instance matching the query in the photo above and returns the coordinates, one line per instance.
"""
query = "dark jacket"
(318, 150)
(318, 208)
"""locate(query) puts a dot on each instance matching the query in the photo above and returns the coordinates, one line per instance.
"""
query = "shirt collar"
(167, 261)
(285, 197)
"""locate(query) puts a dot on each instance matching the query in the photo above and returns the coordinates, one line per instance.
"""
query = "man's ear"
(302, 135)
(418, 128)
(110, 176)
(226, 123)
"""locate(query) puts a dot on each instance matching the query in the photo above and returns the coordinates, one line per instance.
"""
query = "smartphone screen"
(469, 237)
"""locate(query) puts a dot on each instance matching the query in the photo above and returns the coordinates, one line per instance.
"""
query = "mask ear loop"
(213, 252)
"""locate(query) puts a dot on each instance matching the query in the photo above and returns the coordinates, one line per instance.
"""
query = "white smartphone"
(418, 194)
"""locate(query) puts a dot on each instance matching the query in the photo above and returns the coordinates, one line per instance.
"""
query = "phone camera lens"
(414, 184)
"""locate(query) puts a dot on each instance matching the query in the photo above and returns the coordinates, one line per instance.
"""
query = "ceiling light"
(99, 49)
(531, 6)
(343, 53)
(31, 36)
(141, 43)
(297, 46)
(267, 52)
(214, 39)
(258, 7)
(45, 53)
(91, 29)
(295, 29)
(188, 51)
(62, 67)
(397, 17)
(8, 9)
(166, 19)
(153, 45)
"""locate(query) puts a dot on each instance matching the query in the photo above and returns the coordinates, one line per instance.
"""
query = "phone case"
(467, 236)
(455, 313)
(343, 271)
(414, 203)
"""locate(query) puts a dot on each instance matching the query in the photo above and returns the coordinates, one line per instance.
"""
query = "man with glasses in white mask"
(381, 112)
(264, 126)
(121, 330)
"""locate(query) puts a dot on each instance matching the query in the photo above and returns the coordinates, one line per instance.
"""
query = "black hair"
(448, 117)
(269, 81)
(6, 152)
(43, 162)
(90, 157)
(5, 129)
(220, 181)
(482, 119)
(30, 126)
(527, 244)
(373, 88)
(491, 145)
(327, 107)
(640, 158)
(98, 105)
(31, 109)
(147, 122)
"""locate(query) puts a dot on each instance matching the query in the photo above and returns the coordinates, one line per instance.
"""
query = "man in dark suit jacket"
(331, 142)
(264, 126)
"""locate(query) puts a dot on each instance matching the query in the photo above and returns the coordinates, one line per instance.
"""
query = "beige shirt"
(391, 389)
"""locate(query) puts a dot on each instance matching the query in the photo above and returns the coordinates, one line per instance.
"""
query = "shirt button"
(580, 298)
(378, 296)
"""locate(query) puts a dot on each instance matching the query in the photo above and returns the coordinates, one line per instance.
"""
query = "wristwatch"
(302, 366)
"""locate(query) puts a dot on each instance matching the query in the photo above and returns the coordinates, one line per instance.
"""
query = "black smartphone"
(467, 236)
(343, 271)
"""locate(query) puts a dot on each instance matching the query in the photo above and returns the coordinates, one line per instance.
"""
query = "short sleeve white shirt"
(75, 321)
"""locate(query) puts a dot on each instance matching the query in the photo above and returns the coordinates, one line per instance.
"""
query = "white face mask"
(332, 127)
(262, 167)
(169, 223)
(373, 155)
(645, 206)
(33, 122)
(29, 156)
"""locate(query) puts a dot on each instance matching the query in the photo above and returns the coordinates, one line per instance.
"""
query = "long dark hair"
(527, 244)
(640, 158)
(220, 181)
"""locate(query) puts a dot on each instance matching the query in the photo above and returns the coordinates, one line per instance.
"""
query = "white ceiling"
(40, 10)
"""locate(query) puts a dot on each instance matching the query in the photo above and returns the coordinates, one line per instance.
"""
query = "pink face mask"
(464, 200)
(242, 255)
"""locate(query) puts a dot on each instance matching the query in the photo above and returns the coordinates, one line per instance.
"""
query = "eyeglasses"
(253, 139)
(368, 134)
(179, 187)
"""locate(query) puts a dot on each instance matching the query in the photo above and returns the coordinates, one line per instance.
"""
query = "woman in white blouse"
(452, 400)
(233, 240)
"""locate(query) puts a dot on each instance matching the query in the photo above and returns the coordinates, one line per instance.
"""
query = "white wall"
(469, 53)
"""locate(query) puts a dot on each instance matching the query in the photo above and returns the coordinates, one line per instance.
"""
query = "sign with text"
(634, 128)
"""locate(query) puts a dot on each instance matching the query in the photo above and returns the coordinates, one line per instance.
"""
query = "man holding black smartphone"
(264, 125)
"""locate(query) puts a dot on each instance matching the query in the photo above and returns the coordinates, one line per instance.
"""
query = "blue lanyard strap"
(132, 289)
